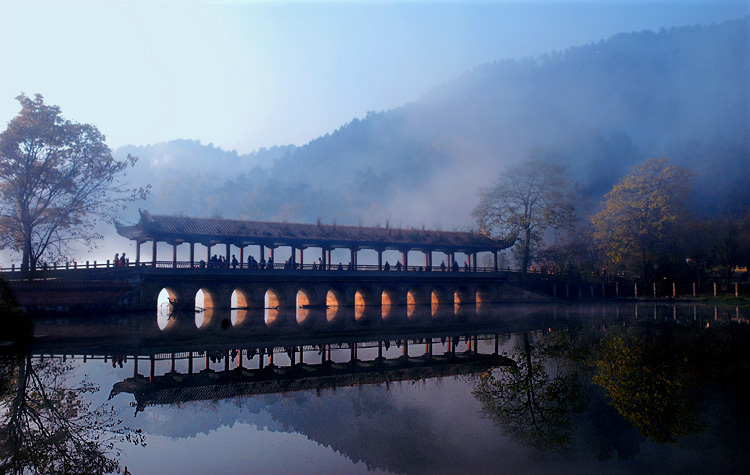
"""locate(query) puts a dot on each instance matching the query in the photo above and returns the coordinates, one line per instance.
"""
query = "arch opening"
(165, 317)
(240, 305)
(364, 301)
(439, 301)
(335, 299)
(205, 301)
(304, 301)
(272, 300)
(461, 297)
(415, 300)
(484, 296)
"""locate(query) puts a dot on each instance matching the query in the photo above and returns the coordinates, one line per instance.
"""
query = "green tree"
(638, 224)
(58, 179)
(523, 203)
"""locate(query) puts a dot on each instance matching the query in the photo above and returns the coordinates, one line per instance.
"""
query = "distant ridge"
(598, 108)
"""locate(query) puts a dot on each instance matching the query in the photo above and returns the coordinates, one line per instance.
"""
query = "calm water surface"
(531, 389)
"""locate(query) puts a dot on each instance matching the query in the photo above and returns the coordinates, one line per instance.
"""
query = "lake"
(599, 388)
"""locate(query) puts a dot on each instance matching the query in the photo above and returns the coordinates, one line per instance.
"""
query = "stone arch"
(440, 301)
(243, 302)
(439, 296)
(390, 296)
(364, 304)
(335, 302)
(165, 318)
(274, 300)
(416, 302)
(335, 297)
(244, 298)
(306, 298)
(461, 296)
(484, 295)
(364, 297)
(211, 297)
(415, 296)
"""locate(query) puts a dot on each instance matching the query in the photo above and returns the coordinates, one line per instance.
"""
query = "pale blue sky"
(244, 74)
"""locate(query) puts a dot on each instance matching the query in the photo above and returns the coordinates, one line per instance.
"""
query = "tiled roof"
(189, 229)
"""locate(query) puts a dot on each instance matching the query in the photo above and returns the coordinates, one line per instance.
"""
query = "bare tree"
(46, 426)
(523, 203)
(58, 179)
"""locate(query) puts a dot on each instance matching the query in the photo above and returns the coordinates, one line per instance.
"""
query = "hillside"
(598, 108)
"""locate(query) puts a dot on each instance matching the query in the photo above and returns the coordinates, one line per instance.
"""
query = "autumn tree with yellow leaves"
(638, 225)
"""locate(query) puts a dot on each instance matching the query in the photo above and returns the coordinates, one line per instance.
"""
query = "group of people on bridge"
(120, 261)
(220, 262)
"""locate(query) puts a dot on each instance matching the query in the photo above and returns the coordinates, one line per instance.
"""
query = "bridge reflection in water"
(305, 366)
(183, 362)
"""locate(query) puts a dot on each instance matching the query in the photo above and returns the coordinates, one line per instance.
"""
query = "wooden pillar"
(242, 256)
(174, 255)
(190, 362)
(153, 252)
(474, 267)
(138, 253)
(208, 253)
(323, 259)
(353, 258)
(262, 252)
(405, 258)
(494, 255)
(301, 257)
(380, 260)
(192, 254)
(292, 258)
(328, 261)
(228, 255)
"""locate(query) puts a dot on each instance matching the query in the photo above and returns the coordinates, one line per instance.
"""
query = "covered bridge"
(209, 232)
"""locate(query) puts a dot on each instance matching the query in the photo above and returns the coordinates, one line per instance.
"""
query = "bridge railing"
(255, 266)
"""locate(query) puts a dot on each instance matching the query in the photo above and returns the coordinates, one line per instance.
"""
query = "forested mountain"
(598, 108)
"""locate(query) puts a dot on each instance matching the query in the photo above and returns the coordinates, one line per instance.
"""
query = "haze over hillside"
(598, 108)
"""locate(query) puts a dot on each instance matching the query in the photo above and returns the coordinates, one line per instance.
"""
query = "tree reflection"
(610, 388)
(48, 428)
(651, 380)
(534, 407)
